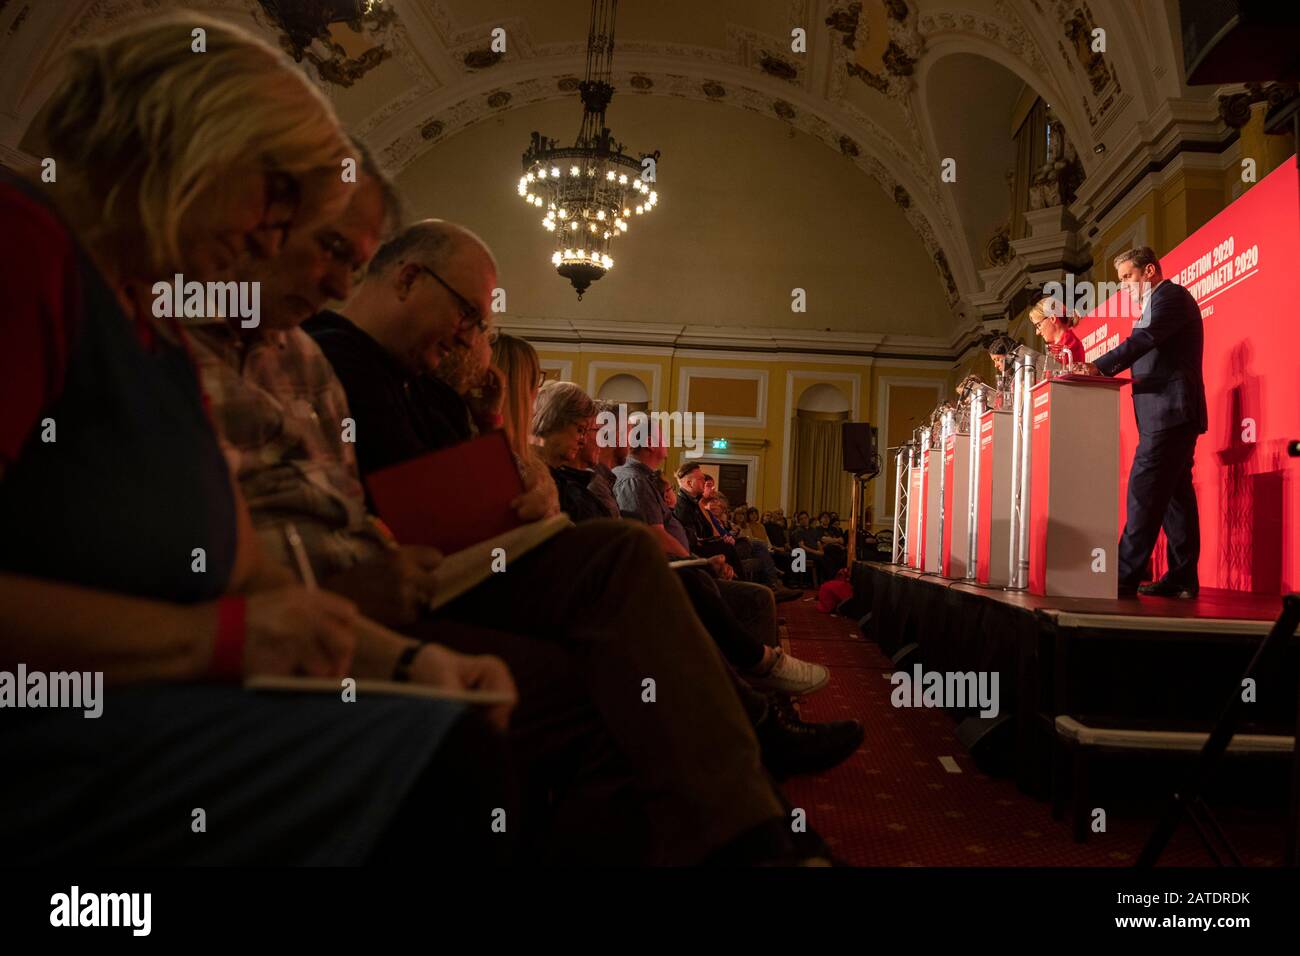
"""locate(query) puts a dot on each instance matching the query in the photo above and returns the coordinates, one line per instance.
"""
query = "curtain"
(1031, 153)
(817, 464)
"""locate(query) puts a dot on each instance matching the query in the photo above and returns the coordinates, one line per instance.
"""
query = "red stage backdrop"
(1243, 267)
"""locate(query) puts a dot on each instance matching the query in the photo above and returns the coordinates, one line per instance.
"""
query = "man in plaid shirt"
(282, 416)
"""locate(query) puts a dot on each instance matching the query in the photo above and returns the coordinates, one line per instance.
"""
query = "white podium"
(916, 495)
(992, 565)
(932, 552)
(956, 505)
(1074, 488)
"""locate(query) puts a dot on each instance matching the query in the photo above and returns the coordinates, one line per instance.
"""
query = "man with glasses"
(406, 320)
(600, 592)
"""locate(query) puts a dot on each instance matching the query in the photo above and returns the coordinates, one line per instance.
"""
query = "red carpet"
(893, 803)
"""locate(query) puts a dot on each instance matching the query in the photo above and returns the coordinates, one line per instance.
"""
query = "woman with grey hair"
(564, 419)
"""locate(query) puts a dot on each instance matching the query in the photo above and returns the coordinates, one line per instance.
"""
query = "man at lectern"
(1164, 352)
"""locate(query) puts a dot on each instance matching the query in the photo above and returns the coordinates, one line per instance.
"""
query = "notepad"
(469, 567)
(451, 498)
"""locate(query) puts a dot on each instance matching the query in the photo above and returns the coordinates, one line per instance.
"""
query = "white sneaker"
(789, 675)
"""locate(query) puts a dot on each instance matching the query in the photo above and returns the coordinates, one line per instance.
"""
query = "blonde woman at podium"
(1055, 324)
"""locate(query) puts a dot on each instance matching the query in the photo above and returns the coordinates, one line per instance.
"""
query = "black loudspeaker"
(1240, 41)
(859, 440)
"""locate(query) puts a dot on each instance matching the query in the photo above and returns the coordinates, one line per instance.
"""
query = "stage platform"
(1150, 661)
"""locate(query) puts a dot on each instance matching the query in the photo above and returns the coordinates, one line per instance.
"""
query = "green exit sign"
(720, 443)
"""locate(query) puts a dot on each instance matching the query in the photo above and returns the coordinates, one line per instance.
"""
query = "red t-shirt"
(38, 317)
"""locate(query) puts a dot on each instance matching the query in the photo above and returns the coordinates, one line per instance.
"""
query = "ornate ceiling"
(871, 88)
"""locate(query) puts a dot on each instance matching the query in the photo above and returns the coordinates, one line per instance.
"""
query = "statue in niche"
(1054, 183)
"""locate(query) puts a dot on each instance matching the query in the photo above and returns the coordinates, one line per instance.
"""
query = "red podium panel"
(992, 564)
(932, 553)
(956, 505)
(1074, 487)
(916, 513)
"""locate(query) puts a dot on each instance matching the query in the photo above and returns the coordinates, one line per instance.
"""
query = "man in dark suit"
(1164, 353)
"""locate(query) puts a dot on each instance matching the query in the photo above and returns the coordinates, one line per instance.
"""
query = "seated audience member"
(272, 391)
(691, 485)
(777, 532)
(516, 375)
(563, 421)
(756, 555)
(689, 510)
(808, 537)
(638, 494)
(833, 544)
(602, 459)
(149, 573)
(752, 526)
(789, 744)
(471, 377)
(601, 590)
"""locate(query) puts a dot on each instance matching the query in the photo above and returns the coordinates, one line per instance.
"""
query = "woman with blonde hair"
(127, 552)
(521, 379)
(521, 371)
(1054, 323)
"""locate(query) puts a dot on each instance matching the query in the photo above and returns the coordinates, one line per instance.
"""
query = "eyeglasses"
(471, 317)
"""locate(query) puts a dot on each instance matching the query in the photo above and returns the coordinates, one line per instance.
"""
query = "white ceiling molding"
(598, 335)
(1147, 143)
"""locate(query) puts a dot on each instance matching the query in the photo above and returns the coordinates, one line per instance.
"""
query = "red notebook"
(450, 499)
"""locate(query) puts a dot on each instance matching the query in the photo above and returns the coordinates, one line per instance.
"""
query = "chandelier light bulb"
(573, 170)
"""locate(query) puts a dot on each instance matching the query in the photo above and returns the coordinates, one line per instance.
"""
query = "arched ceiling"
(854, 113)
(747, 213)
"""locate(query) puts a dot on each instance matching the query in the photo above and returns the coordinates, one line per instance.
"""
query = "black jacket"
(1164, 352)
(576, 499)
(399, 415)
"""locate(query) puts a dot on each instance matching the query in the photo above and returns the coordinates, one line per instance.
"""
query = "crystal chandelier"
(589, 191)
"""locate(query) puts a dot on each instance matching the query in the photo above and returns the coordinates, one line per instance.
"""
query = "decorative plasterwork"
(529, 90)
